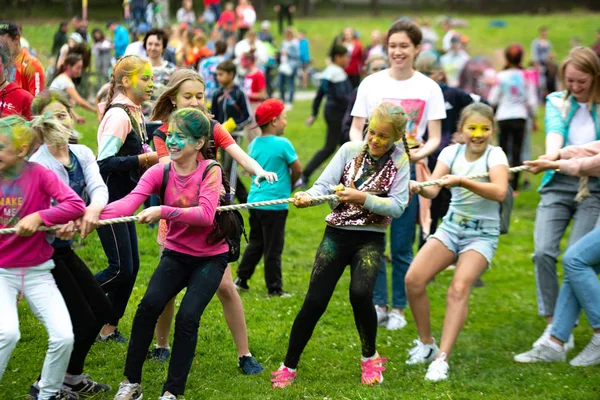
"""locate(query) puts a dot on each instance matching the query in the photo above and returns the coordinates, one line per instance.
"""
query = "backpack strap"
(139, 129)
(165, 179)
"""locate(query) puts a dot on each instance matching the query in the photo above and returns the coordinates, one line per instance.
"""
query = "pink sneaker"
(283, 377)
(372, 370)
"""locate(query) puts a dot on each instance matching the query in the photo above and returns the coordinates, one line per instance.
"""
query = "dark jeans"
(439, 208)
(117, 280)
(288, 83)
(285, 13)
(269, 80)
(363, 251)
(87, 304)
(513, 131)
(267, 231)
(334, 120)
(216, 8)
(175, 271)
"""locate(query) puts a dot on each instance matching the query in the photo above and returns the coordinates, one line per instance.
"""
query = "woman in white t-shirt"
(468, 234)
(572, 118)
(423, 101)
(70, 69)
(515, 97)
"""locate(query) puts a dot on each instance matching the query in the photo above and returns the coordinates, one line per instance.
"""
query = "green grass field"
(502, 320)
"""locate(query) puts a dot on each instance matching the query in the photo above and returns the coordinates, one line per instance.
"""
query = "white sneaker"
(590, 355)
(129, 391)
(569, 345)
(395, 321)
(422, 353)
(543, 352)
(382, 316)
(168, 397)
(438, 369)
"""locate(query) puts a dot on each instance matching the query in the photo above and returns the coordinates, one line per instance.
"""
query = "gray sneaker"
(129, 391)
(543, 352)
(590, 355)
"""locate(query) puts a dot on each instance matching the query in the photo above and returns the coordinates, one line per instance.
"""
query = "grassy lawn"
(502, 320)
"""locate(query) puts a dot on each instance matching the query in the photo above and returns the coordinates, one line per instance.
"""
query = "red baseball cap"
(267, 111)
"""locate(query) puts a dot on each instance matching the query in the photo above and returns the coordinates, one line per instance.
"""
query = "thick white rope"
(315, 199)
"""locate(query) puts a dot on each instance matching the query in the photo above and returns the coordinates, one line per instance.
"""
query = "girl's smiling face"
(140, 85)
(579, 83)
(401, 51)
(477, 133)
(182, 147)
(190, 94)
(380, 137)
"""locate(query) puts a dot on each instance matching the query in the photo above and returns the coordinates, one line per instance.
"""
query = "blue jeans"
(581, 287)
(288, 82)
(402, 238)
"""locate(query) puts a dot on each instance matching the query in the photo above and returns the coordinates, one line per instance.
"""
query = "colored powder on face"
(176, 140)
(20, 134)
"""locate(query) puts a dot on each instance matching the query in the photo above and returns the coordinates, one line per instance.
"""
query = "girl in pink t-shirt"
(26, 190)
(195, 254)
(186, 89)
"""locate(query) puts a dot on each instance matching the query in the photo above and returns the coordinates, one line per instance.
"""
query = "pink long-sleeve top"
(32, 192)
(581, 160)
(190, 207)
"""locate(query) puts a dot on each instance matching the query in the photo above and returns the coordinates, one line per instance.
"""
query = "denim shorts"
(466, 235)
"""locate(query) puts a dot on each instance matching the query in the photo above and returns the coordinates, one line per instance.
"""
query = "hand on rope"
(31, 223)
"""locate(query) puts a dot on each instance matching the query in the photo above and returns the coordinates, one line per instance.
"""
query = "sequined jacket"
(386, 179)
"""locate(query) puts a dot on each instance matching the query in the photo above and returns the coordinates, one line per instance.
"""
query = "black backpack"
(233, 218)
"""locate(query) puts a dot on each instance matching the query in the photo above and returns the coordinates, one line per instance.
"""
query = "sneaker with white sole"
(382, 315)
(168, 397)
(438, 369)
(569, 345)
(395, 321)
(590, 355)
(129, 391)
(545, 351)
(422, 353)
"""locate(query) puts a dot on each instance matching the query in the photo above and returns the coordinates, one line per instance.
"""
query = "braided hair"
(126, 67)
(387, 113)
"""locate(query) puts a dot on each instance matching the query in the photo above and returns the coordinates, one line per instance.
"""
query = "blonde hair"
(386, 113)
(44, 127)
(585, 60)
(126, 67)
(164, 105)
(476, 109)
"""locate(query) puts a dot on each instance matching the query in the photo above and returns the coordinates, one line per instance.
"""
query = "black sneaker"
(249, 365)
(64, 394)
(159, 354)
(87, 387)
(241, 284)
(113, 337)
(280, 293)
(478, 283)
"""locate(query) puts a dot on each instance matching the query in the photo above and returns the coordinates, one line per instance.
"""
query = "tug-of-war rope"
(315, 201)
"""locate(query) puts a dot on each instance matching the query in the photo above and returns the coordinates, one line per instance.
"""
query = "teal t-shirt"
(274, 154)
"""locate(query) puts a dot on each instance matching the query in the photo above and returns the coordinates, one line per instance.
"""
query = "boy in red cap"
(267, 224)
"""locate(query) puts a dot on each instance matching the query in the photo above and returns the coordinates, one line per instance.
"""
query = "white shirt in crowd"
(453, 64)
(447, 39)
(184, 16)
(421, 98)
(261, 53)
(136, 49)
(514, 95)
(582, 129)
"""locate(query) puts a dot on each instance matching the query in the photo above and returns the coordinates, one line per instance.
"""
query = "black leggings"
(513, 131)
(87, 304)
(175, 271)
(334, 138)
(363, 251)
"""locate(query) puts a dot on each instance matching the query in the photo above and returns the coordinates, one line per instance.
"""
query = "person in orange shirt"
(29, 72)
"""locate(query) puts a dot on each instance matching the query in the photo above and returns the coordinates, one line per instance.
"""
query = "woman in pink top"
(26, 192)
(195, 254)
(246, 17)
(581, 286)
